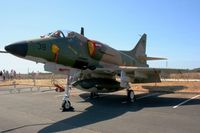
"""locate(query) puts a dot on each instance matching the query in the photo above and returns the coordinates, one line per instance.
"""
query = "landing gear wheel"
(66, 106)
(130, 96)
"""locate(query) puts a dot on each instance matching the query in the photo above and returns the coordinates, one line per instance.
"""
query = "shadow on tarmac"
(24, 126)
(109, 107)
(167, 89)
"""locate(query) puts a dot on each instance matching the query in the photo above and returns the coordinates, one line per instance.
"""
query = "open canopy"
(60, 34)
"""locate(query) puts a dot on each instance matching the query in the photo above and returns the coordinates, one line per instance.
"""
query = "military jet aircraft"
(90, 65)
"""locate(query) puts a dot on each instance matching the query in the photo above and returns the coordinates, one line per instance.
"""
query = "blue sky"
(172, 26)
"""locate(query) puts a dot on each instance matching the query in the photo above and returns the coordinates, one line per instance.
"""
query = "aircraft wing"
(148, 74)
(150, 69)
(146, 70)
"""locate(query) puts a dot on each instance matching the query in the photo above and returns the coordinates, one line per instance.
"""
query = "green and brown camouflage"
(90, 65)
(70, 52)
(75, 51)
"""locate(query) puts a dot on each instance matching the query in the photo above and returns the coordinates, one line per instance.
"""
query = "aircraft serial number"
(42, 46)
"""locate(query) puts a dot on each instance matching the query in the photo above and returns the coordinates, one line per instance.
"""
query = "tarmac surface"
(110, 113)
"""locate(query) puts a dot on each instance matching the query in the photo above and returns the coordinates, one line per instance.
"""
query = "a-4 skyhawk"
(90, 65)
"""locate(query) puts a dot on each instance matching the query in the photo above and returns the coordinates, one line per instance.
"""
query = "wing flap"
(150, 69)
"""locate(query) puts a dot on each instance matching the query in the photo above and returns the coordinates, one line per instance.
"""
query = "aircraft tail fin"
(139, 51)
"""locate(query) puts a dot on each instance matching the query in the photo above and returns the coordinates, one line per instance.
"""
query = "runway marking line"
(148, 95)
(185, 101)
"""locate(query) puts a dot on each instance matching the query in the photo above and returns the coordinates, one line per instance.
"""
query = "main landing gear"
(130, 96)
(124, 83)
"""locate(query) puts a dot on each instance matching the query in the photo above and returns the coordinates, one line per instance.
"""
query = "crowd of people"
(6, 75)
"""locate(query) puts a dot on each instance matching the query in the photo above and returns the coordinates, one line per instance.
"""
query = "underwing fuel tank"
(98, 85)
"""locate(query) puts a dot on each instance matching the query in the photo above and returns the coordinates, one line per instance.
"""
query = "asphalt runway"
(151, 113)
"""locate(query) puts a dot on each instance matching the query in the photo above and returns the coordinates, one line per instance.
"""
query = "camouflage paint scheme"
(93, 61)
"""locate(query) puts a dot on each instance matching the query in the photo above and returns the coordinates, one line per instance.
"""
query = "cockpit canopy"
(60, 34)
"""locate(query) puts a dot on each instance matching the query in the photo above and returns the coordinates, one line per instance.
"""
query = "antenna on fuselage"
(82, 31)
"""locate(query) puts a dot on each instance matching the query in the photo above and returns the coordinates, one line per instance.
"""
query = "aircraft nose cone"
(18, 49)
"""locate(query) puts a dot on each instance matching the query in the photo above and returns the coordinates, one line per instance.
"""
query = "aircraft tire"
(66, 106)
(131, 96)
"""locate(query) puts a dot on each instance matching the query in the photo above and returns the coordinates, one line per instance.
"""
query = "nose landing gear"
(66, 104)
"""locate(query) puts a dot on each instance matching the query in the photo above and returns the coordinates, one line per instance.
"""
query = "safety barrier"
(19, 88)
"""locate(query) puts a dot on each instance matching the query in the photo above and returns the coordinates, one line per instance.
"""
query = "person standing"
(1, 75)
(4, 75)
